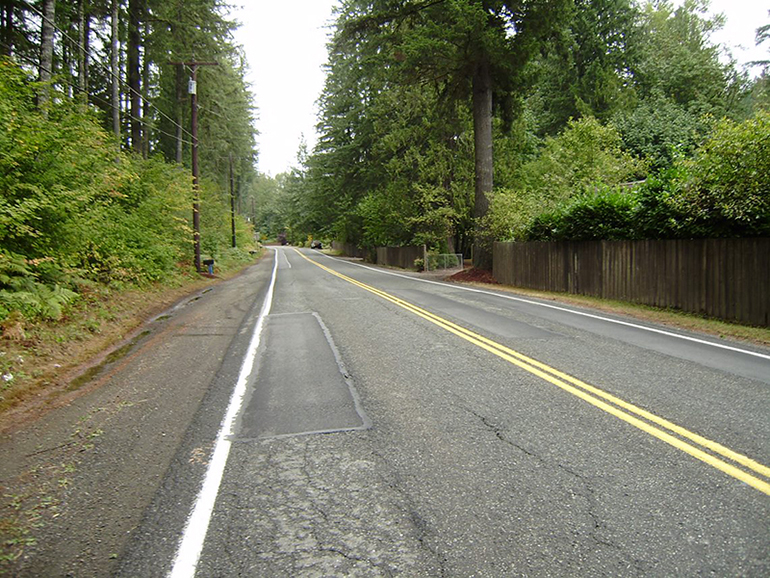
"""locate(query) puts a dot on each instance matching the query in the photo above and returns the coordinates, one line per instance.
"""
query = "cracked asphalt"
(373, 441)
(473, 467)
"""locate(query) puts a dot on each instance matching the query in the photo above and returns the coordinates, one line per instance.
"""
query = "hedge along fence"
(724, 278)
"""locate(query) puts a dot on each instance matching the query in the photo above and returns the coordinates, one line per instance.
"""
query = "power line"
(71, 83)
(108, 71)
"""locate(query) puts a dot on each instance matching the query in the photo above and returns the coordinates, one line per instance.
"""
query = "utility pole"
(193, 90)
(115, 70)
(232, 199)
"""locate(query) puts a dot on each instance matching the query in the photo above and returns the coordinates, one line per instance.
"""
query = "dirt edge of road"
(79, 361)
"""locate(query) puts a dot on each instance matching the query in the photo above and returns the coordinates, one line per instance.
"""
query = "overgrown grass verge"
(670, 317)
(37, 359)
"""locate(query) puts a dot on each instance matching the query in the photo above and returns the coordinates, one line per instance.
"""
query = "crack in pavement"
(411, 510)
(318, 508)
(588, 494)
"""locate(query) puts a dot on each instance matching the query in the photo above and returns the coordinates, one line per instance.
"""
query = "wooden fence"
(348, 249)
(724, 278)
(403, 257)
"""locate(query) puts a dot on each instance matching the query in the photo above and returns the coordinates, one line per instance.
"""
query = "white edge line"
(592, 316)
(191, 544)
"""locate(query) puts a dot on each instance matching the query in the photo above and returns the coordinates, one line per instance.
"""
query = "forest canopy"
(594, 110)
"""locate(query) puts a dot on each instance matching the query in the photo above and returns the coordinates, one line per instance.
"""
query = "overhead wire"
(102, 101)
(131, 90)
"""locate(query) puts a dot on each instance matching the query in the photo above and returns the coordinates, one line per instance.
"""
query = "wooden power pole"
(193, 90)
(232, 200)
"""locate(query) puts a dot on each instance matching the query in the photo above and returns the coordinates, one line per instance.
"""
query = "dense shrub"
(723, 191)
(660, 131)
(73, 208)
(606, 214)
(655, 216)
(586, 153)
(728, 190)
(566, 171)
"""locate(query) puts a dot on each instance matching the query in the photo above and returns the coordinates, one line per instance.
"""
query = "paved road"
(393, 426)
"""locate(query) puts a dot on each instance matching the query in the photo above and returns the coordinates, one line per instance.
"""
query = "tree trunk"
(482, 138)
(135, 13)
(46, 53)
(115, 68)
(7, 29)
(84, 34)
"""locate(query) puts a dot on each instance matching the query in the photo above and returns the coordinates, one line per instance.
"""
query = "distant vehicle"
(316, 244)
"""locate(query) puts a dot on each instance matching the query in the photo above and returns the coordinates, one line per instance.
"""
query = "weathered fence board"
(348, 249)
(403, 257)
(724, 278)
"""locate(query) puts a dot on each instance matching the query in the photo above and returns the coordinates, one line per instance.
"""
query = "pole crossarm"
(192, 63)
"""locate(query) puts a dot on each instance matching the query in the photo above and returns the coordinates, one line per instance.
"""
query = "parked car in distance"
(316, 244)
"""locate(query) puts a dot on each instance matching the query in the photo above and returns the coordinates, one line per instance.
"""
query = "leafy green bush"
(580, 163)
(724, 191)
(606, 214)
(74, 208)
(728, 192)
(510, 212)
(586, 153)
(52, 171)
(655, 214)
(143, 234)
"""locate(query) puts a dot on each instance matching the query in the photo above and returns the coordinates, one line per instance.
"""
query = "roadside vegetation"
(96, 192)
(611, 119)
(90, 235)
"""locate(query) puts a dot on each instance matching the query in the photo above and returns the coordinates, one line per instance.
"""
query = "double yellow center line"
(691, 443)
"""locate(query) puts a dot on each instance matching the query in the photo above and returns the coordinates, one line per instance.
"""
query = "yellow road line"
(605, 401)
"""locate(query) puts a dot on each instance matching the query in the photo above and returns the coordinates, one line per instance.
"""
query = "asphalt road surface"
(335, 419)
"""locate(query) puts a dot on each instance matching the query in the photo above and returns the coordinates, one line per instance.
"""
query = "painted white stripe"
(564, 309)
(191, 545)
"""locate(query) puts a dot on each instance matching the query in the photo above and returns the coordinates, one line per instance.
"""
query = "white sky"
(285, 46)
(286, 49)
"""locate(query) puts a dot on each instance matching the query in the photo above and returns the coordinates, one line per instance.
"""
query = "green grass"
(45, 361)
(669, 317)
